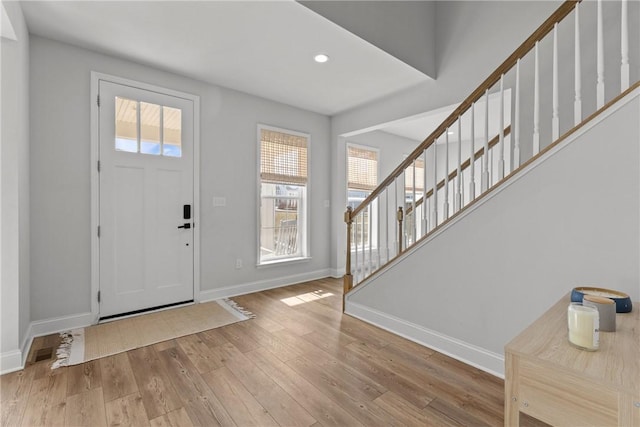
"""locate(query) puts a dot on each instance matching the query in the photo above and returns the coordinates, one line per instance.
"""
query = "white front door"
(146, 142)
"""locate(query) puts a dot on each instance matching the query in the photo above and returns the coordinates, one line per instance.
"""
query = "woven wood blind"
(362, 167)
(408, 176)
(283, 158)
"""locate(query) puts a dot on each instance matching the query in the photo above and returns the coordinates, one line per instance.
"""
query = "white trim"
(196, 197)
(470, 354)
(15, 360)
(337, 273)
(261, 285)
(95, 179)
(306, 239)
(54, 325)
(10, 361)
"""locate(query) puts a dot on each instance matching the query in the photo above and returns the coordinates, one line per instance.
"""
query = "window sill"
(276, 262)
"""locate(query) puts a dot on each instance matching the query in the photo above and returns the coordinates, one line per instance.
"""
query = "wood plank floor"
(300, 362)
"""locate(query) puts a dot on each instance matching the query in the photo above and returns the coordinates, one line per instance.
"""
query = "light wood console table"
(548, 379)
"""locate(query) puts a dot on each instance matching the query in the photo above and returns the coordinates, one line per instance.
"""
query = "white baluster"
(434, 212)
(414, 221)
(458, 201)
(446, 175)
(363, 268)
(355, 241)
(370, 237)
(461, 189)
(516, 132)
(378, 235)
(555, 119)
(403, 203)
(501, 132)
(536, 103)
(472, 155)
(424, 193)
(395, 224)
(600, 59)
(577, 104)
(386, 221)
(485, 156)
(624, 47)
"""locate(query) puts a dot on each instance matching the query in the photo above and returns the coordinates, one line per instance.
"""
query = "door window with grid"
(283, 195)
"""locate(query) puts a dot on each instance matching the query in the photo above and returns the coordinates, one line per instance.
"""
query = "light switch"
(219, 202)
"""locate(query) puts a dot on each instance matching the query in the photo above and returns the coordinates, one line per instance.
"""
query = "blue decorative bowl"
(622, 300)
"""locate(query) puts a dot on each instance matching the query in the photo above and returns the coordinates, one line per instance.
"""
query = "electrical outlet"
(327, 204)
(219, 202)
(238, 264)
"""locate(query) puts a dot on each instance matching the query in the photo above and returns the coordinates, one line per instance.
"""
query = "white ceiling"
(264, 48)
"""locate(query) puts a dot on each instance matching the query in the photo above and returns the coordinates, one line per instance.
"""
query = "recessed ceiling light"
(321, 58)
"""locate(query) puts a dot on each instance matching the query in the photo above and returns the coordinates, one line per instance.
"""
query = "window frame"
(303, 207)
(346, 159)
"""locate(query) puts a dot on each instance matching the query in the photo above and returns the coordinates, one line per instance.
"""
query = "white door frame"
(95, 181)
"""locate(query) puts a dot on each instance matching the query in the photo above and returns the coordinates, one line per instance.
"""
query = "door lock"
(186, 225)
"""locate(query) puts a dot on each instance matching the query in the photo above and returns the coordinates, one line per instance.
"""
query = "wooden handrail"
(516, 171)
(463, 166)
(544, 29)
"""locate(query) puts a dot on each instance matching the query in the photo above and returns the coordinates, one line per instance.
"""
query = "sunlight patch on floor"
(307, 297)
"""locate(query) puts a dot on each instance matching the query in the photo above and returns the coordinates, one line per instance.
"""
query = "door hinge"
(98, 296)
(98, 231)
(98, 100)
(98, 165)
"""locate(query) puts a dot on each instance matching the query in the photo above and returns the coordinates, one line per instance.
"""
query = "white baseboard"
(60, 324)
(470, 354)
(16, 359)
(337, 273)
(262, 285)
(10, 361)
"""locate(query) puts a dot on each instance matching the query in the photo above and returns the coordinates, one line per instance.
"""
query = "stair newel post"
(348, 278)
(400, 234)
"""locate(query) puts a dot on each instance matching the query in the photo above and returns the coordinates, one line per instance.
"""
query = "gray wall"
(573, 220)
(14, 182)
(466, 30)
(472, 39)
(60, 177)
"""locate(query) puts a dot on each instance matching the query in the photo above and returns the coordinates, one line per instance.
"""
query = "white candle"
(584, 323)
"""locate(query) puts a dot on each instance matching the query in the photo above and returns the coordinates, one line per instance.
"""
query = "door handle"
(186, 225)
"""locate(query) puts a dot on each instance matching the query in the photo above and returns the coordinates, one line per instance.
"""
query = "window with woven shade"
(362, 168)
(284, 165)
(362, 179)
